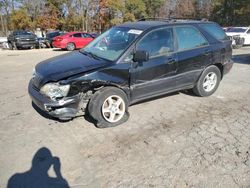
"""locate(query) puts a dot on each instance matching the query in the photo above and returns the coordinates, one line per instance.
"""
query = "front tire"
(71, 46)
(208, 82)
(108, 107)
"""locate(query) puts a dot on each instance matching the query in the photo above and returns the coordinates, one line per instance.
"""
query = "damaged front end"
(53, 99)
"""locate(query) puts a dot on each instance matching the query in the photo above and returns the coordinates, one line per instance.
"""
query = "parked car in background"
(94, 34)
(22, 39)
(51, 35)
(72, 40)
(42, 43)
(239, 35)
(3, 42)
(129, 63)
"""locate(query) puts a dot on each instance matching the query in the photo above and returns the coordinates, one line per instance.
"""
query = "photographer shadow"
(37, 176)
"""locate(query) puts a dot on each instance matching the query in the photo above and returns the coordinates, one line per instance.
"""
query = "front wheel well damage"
(96, 86)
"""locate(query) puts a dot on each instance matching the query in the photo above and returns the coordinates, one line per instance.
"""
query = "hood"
(26, 36)
(63, 66)
(230, 34)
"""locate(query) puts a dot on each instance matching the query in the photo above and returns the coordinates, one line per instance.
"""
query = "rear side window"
(85, 35)
(189, 37)
(158, 42)
(78, 35)
(214, 30)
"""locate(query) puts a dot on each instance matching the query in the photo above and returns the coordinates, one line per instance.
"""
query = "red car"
(72, 40)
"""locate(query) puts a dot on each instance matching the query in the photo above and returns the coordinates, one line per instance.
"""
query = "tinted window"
(215, 30)
(158, 42)
(86, 35)
(22, 33)
(189, 37)
(78, 35)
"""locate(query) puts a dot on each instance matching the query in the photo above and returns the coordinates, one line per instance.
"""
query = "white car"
(239, 32)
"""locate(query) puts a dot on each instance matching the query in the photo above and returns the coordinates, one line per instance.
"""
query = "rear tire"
(71, 46)
(208, 82)
(108, 107)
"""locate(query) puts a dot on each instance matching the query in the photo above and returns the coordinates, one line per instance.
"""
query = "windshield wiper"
(90, 54)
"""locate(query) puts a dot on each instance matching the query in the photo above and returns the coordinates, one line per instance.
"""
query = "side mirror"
(141, 56)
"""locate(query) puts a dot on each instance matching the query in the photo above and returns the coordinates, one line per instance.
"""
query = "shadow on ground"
(37, 176)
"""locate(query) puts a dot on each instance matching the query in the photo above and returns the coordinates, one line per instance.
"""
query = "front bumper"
(28, 44)
(63, 109)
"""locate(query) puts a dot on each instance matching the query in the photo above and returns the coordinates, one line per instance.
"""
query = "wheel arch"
(98, 85)
(220, 67)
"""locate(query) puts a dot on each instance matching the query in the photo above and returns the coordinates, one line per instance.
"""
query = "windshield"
(22, 33)
(236, 30)
(111, 44)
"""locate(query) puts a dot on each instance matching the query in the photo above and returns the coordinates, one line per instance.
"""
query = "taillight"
(58, 39)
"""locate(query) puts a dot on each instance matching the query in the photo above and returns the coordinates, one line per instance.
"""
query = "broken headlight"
(55, 90)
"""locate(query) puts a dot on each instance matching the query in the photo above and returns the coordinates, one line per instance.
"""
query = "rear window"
(215, 30)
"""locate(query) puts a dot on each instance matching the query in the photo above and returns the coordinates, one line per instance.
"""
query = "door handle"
(207, 52)
(171, 60)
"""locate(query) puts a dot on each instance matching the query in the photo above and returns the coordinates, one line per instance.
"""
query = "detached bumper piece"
(64, 109)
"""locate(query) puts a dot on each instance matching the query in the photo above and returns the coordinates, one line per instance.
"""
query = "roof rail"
(156, 18)
(172, 19)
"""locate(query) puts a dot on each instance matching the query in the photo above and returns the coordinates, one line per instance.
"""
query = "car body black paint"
(160, 75)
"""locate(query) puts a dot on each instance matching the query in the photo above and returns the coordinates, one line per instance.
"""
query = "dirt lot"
(175, 141)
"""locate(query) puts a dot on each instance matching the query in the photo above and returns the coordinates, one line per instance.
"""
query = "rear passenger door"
(157, 74)
(193, 54)
(77, 39)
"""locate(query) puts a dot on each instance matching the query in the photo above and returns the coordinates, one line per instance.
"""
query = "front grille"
(27, 40)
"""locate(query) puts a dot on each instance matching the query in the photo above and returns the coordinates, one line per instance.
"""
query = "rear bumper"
(57, 44)
(63, 109)
(227, 66)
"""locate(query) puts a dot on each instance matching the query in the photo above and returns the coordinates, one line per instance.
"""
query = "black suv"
(22, 39)
(130, 63)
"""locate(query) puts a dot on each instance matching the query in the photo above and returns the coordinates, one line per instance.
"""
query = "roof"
(74, 32)
(144, 25)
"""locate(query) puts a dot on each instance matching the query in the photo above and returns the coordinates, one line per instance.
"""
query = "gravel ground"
(175, 141)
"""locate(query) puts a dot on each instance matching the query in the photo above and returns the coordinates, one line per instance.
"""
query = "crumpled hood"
(63, 66)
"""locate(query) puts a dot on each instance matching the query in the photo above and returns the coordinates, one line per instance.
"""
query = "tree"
(186, 9)
(231, 12)
(134, 9)
(111, 12)
(153, 7)
(49, 19)
(20, 19)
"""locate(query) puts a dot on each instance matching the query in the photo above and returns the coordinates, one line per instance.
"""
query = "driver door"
(155, 76)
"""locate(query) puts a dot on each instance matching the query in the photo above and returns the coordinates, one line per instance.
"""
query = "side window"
(78, 35)
(189, 38)
(248, 32)
(214, 30)
(85, 35)
(158, 42)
